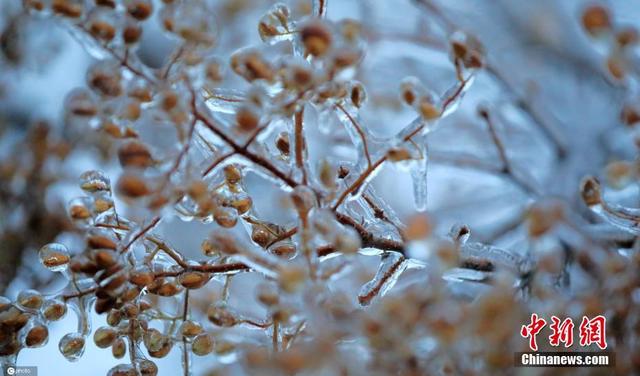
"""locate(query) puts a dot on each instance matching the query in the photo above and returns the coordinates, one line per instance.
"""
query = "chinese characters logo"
(591, 331)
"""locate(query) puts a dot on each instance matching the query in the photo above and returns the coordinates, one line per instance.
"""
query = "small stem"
(276, 332)
(185, 352)
(359, 130)
(299, 143)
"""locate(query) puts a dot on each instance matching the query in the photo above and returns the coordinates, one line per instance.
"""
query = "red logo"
(591, 331)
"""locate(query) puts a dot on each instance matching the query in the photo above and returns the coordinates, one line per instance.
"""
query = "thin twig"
(507, 168)
(360, 132)
(299, 143)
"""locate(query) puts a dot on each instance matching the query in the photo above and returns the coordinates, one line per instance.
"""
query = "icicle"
(419, 176)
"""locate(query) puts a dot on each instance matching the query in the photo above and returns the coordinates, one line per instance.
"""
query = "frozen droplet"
(391, 267)
(122, 370)
(55, 257)
(54, 309)
(72, 346)
(29, 300)
(95, 182)
(81, 211)
(274, 26)
(34, 334)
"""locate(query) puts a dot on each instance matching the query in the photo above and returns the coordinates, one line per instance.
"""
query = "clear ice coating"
(419, 175)
(72, 346)
(55, 257)
(205, 100)
(392, 264)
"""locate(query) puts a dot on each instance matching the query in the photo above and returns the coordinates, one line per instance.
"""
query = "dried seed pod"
(130, 310)
(619, 174)
(168, 289)
(213, 70)
(95, 182)
(104, 78)
(590, 191)
(37, 336)
(191, 21)
(98, 240)
(54, 310)
(596, 19)
(193, 280)
(146, 367)
(358, 94)
(629, 115)
(68, 8)
(190, 328)
(114, 317)
(398, 154)
(418, 227)
(284, 249)
(139, 9)
(55, 257)
(142, 276)
(131, 32)
(627, 36)
(466, 49)
(81, 102)
(241, 202)
(247, 118)
(101, 25)
(541, 218)
(131, 293)
(144, 305)
(202, 345)
(164, 350)
(72, 346)
(409, 90)
(282, 143)
(134, 154)
(316, 37)
(220, 315)
(132, 186)
(274, 23)
(104, 337)
(36, 5)
(105, 258)
(118, 348)
(261, 235)
(428, 109)
(104, 304)
(208, 249)
(250, 65)
(232, 174)
(30, 299)
(616, 66)
(225, 217)
(14, 319)
(154, 340)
